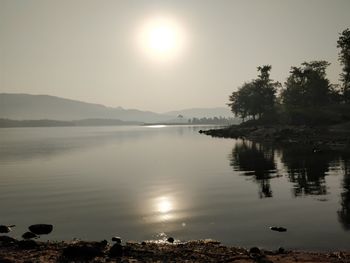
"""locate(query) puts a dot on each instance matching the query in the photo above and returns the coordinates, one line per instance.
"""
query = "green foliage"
(255, 98)
(312, 116)
(307, 85)
(308, 97)
(344, 57)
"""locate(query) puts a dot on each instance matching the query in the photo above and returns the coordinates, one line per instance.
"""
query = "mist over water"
(145, 183)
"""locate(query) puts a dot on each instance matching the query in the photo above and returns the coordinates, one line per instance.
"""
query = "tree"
(344, 57)
(307, 86)
(307, 94)
(255, 98)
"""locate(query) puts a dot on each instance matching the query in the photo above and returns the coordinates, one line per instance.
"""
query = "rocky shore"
(332, 137)
(12, 250)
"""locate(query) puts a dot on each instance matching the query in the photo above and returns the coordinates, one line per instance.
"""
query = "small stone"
(29, 235)
(41, 229)
(27, 244)
(81, 251)
(281, 250)
(6, 260)
(7, 241)
(118, 240)
(103, 243)
(5, 229)
(116, 250)
(170, 240)
(278, 229)
(254, 250)
(143, 243)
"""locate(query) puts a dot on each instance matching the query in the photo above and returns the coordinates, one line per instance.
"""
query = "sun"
(162, 38)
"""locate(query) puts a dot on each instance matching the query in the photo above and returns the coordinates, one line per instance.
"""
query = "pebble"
(254, 250)
(27, 244)
(81, 251)
(278, 228)
(7, 241)
(170, 240)
(116, 250)
(5, 229)
(118, 240)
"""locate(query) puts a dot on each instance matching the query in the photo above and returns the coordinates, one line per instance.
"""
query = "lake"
(150, 182)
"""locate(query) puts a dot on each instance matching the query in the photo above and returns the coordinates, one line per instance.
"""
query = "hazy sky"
(91, 50)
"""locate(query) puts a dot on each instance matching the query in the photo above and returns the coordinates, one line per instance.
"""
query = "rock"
(103, 243)
(27, 244)
(116, 250)
(6, 260)
(278, 229)
(118, 240)
(29, 235)
(7, 241)
(170, 240)
(281, 250)
(81, 252)
(5, 229)
(143, 243)
(254, 250)
(41, 229)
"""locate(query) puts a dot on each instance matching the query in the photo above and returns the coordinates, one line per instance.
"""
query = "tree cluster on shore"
(306, 98)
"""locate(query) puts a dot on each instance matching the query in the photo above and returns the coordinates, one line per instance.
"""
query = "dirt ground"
(192, 251)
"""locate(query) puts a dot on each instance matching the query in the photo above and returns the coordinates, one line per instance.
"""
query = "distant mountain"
(39, 107)
(203, 112)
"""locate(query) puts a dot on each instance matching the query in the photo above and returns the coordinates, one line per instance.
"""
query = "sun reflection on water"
(164, 205)
(156, 126)
(164, 208)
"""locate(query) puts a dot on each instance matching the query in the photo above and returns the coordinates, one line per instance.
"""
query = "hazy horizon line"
(109, 106)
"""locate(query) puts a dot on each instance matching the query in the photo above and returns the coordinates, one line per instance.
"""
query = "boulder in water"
(29, 235)
(41, 229)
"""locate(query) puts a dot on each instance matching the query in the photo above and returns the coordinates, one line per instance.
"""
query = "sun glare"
(162, 38)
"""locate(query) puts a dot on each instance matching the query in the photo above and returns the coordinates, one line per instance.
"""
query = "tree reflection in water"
(305, 168)
(344, 212)
(257, 161)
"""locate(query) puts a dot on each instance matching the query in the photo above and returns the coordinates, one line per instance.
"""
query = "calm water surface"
(145, 183)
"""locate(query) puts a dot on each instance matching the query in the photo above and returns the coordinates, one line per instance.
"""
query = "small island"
(307, 109)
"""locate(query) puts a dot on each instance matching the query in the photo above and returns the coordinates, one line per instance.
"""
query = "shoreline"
(13, 251)
(319, 138)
